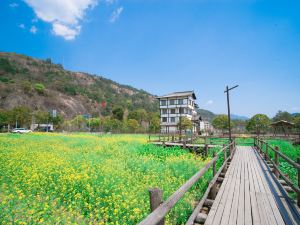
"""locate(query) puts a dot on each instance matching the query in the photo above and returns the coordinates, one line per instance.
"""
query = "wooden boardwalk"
(249, 194)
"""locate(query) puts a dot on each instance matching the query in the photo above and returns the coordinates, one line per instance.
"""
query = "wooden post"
(172, 138)
(298, 195)
(214, 187)
(156, 198)
(184, 144)
(276, 162)
(267, 151)
(206, 150)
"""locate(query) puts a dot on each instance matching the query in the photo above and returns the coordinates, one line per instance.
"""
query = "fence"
(278, 173)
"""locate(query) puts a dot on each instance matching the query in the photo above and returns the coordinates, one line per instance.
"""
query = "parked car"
(21, 131)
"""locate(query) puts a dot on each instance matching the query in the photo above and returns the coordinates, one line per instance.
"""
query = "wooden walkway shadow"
(250, 194)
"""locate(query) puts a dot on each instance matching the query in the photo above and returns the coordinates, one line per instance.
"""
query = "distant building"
(41, 127)
(206, 127)
(176, 105)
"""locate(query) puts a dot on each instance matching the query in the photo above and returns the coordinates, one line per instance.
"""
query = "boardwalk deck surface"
(249, 194)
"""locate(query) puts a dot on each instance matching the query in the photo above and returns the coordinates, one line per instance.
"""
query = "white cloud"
(116, 14)
(13, 5)
(64, 15)
(209, 102)
(22, 26)
(33, 29)
(65, 31)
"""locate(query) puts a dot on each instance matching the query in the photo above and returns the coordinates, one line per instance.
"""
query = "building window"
(173, 111)
(181, 110)
(163, 102)
(180, 101)
(184, 102)
(164, 111)
(164, 119)
(172, 102)
(172, 119)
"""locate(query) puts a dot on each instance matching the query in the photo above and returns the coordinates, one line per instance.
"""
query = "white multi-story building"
(176, 105)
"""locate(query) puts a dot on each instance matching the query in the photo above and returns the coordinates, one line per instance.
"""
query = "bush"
(6, 66)
(40, 88)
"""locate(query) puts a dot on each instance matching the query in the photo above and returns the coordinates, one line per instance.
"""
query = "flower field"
(86, 178)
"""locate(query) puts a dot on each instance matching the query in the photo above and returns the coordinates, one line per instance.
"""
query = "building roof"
(179, 94)
(282, 123)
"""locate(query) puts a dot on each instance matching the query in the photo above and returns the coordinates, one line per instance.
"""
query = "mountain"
(209, 116)
(41, 84)
(206, 115)
(237, 117)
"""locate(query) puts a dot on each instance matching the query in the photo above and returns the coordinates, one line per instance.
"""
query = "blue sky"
(170, 45)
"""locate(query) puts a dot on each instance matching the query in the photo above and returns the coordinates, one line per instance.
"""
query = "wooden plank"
(226, 202)
(235, 203)
(262, 193)
(270, 196)
(241, 205)
(254, 204)
(248, 210)
(220, 196)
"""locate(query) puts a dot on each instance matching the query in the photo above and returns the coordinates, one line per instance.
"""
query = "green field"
(85, 178)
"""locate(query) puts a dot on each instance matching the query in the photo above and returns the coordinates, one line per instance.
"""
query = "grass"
(86, 178)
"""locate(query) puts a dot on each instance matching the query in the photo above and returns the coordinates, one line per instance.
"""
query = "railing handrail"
(161, 211)
(278, 172)
(290, 161)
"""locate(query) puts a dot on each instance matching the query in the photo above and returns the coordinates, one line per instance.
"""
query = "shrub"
(40, 88)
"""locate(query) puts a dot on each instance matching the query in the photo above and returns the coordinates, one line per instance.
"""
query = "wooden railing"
(277, 172)
(160, 209)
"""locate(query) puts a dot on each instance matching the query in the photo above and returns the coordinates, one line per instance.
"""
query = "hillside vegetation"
(43, 85)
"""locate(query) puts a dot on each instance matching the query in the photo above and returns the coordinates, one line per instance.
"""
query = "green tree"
(41, 117)
(118, 113)
(40, 88)
(95, 123)
(296, 120)
(258, 123)
(184, 124)
(26, 86)
(282, 115)
(21, 116)
(4, 117)
(79, 123)
(57, 121)
(154, 122)
(132, 125)
(221, 122)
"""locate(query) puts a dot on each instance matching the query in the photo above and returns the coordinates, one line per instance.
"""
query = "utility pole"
(228, 109)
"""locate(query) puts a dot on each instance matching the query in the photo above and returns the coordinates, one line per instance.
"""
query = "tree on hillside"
(282, 115)
(132, 125)
(139, 114)
(184, 124)
(258, 123)
(221, 122)
(118, 113)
